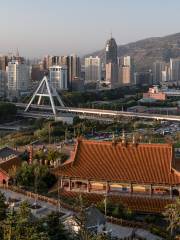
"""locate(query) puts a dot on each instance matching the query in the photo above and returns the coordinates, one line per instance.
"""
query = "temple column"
(61, 183)
(171, 191)
(88, 186)
(107, 187)
(69, 184)
(151, 190)
(131, 189)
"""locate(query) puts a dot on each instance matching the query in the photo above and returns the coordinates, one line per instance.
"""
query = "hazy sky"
(40, 27)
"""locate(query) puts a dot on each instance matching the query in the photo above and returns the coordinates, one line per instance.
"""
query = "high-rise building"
(127, 72)
(55, 60)
(58, 77)
(111, 75)
(2, 83)
(92, 69)
(18, 78)
(111, 51)
(74, 69)
(46, 63)
(144, 78)
(158, 67)
(37, 72)
(73, 64)
(3, 62)
(175, 69)
(111, 63)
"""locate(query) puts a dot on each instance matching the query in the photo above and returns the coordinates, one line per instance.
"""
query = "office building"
(158, 67)
(92, 69)
(111, 51)
(2, 84)
(111, 63)
(73, 64)
(18, 78)
(143, 78)
(74, 69)
(3, 62)
(175, 69)
(111, 75)
(37, 72)
(127, 71)
(58, 77)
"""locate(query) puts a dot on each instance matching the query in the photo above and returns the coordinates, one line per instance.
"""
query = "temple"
(144, 177)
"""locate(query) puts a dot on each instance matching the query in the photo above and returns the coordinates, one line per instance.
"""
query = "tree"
(54, 228)
(12, 173)
(36, 177)
(7, 112)
(2, 206)
(172, 215)
(21, 225)
(52, 155)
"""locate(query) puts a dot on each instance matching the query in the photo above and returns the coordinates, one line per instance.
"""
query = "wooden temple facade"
(127, 172)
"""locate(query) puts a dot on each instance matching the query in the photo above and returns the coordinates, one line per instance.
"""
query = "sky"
(62, 27)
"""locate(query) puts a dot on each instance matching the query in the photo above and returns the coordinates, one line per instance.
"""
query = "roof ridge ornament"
(134, 140)
(123, 138)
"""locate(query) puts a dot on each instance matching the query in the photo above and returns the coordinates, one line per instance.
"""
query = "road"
(47, 207)
(86, 112)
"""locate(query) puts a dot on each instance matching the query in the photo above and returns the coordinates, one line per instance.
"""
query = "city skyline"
(82, 26)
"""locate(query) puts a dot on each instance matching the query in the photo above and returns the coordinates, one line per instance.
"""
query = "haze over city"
(62, 27)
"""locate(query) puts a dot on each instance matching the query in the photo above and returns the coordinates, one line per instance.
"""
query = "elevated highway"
(45, 111)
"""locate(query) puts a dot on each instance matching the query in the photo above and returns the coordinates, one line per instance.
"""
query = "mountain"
(147, 51)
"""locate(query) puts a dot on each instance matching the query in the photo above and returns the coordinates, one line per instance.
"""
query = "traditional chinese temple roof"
(122, 162)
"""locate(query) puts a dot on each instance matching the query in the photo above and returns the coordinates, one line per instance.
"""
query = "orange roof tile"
(141, 163)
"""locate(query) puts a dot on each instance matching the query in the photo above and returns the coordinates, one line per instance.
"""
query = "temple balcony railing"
(120, 189)
(102, 192)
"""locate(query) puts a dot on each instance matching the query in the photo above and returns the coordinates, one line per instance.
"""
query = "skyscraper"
(73, 64)
(111, 51)
(175, 69)
(18, 76)
(58, 77)
(158, 67)
(3, 62)
(74, 69)
(111, 63)
(127, 71)
(2, 83)
(92, 69)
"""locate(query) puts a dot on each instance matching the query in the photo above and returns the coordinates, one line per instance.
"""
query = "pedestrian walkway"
(48, 207)
(127, 232)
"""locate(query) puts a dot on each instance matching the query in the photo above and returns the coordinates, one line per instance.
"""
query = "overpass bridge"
(44, 111)
(45, 89)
